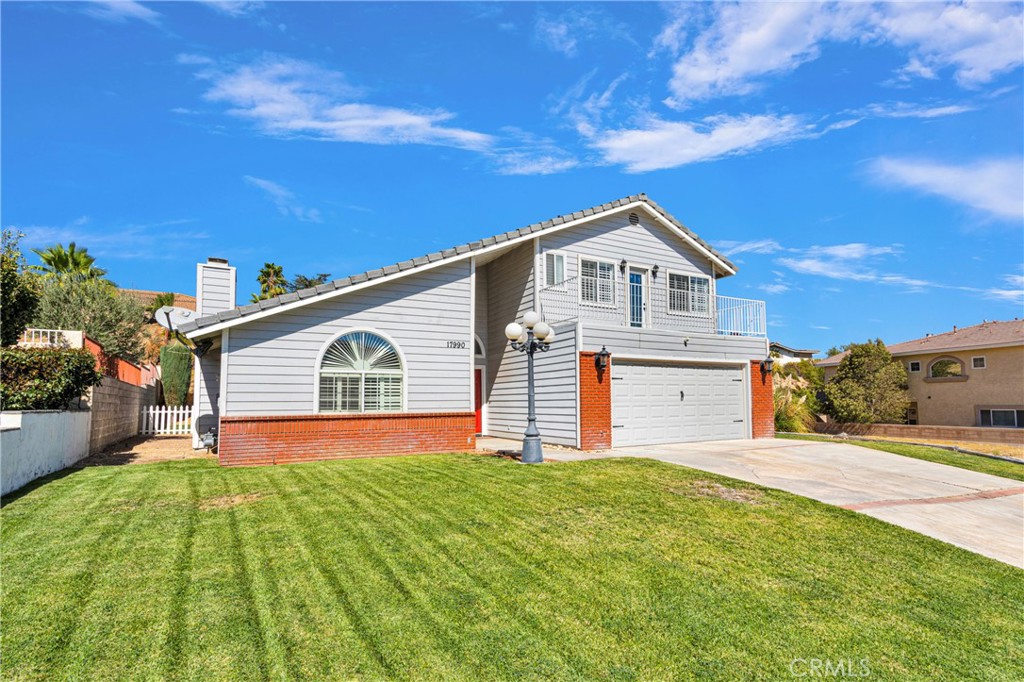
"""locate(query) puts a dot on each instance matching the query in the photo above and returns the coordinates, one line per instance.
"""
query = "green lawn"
(985, 465)
(468, 567)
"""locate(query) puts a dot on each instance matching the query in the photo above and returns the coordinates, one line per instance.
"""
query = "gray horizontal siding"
(555, 376)
(613, 238)
(272, 361)
(217, 289)
(670, 344)
(206, 394)
(481, 305)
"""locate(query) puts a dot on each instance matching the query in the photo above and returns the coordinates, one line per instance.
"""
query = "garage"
(674, 403)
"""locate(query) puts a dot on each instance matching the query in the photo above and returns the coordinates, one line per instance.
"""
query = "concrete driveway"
(979, 512)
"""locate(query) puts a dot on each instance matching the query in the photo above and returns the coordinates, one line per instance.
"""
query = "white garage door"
(664, 403)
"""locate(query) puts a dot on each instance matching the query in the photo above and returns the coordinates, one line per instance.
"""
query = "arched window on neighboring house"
(361, 372)
(946, 367)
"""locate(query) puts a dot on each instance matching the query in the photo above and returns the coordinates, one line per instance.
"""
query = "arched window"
(361, 372)
(946, 367)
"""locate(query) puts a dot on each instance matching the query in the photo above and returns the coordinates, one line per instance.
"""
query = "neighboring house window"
(978, 362)
(688, 294)
(915, 366)
(597, 282)
(361, 372)
(1002, 417)
(554, 269)
(946, 367)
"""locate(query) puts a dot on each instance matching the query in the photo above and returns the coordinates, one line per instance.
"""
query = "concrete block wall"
(115, 407)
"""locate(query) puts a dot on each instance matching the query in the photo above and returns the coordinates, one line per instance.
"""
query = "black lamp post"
(537, 336)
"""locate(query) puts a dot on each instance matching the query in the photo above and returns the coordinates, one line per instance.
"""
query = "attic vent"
(634, 219)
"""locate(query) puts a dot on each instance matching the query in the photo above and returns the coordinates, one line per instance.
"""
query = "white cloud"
(116, 241)
(292, 98)
(1012, 292)
(762, 246)
(977, 40)
(234, 8)
(584, 111)
(285, 200)
(747, 42)
(994, 186)
(121, 11)
(658, 144)
(776, 288)
(909, 110)
(565, 32)
(556, 35)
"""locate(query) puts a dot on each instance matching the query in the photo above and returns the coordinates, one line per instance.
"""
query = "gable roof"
(228, 318)
(992, 334)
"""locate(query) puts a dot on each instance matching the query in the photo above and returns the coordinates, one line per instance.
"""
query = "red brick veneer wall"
(308, 438)
(595, 404)
(762, 402)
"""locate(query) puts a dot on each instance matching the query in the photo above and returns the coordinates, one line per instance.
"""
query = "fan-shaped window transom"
(361, 372)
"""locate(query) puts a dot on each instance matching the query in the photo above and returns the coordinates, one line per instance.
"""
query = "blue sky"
(862, 163)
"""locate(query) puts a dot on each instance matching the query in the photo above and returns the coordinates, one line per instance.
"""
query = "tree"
(836, 350)
(95, 307)
(159, 301)
(272, 282)
(72, 262)
(869, 386)
(19, 290)
(175, 371)
(303, 282)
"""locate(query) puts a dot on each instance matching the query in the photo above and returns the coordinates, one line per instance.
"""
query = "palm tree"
(272, 282)
(72, 262)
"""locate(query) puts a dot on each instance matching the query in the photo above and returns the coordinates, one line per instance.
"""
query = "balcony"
(691, 311)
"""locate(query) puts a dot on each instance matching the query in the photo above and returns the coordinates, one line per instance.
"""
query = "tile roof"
(984, 335)
(144, 298)
(344, 282)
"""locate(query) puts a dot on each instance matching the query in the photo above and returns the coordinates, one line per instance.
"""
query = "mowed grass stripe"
(466, 567)
(329, 563)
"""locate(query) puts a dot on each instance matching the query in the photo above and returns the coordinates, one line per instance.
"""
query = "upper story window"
(978, 362)
(688, 293)
(914, 365)
(597, 282)
(554, 268)
(945, 368)
(361, 372)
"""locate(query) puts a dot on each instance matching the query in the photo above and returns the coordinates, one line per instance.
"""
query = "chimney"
(215, 287)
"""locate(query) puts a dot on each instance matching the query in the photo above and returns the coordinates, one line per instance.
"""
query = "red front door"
(478, 392)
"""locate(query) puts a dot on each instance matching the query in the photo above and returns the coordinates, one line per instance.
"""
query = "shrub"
(795, 404)
(869, 387)
(175, 371)
(93, 306)
(45, 378)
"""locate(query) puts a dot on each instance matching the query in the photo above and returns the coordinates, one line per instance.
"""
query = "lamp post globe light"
(531, 336)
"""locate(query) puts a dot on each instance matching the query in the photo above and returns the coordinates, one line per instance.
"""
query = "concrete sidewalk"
(979, 512)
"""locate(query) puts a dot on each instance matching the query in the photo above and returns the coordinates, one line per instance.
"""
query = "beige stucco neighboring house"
(972, 376)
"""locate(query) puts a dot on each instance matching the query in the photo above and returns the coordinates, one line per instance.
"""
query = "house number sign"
(461, 345)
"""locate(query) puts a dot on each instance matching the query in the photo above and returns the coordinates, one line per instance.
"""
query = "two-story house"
(413, 357)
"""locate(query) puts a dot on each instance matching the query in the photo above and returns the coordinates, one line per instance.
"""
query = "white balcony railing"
(703, 314)
(51, 338)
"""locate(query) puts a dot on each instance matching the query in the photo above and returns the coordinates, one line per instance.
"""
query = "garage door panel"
(665, 403)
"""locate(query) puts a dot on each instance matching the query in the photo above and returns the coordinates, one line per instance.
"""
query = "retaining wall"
(37, 443)
(975, 434)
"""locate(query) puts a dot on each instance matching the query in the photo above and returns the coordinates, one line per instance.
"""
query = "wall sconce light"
(654, 271)
(622, 265)
(767, 365)
(601, 359)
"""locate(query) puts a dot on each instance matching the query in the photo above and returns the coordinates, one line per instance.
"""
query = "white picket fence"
(165, 421)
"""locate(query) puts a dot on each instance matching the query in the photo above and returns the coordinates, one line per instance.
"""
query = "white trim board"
(205, 331)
